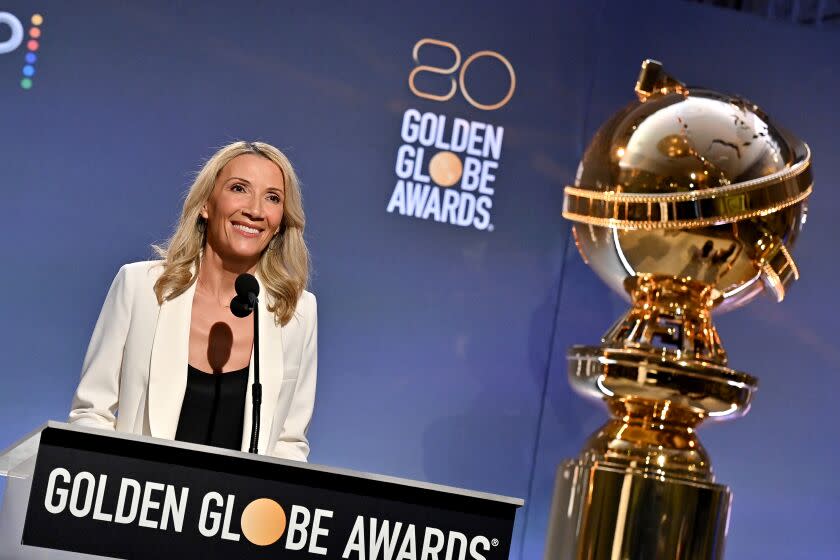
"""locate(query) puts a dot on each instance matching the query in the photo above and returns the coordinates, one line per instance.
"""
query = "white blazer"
(135, 371)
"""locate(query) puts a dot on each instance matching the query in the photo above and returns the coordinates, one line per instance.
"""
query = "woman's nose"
(254, 208)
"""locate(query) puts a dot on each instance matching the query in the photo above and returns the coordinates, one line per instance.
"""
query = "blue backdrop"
(442, 347)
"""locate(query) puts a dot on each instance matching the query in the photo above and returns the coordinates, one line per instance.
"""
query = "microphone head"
(240, 307)
(246, 285)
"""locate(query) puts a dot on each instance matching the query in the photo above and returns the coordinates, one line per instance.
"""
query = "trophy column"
(619, 514)
(643, 486)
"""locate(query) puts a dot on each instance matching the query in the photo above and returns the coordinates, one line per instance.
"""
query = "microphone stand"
(256, 388)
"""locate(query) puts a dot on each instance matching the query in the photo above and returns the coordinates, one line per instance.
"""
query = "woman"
(168, 358)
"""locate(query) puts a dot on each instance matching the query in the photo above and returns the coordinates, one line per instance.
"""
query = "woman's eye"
(238, 187)
(275, 198)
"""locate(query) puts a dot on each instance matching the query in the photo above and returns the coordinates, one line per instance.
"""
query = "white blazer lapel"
(271, 375)
(168, 365)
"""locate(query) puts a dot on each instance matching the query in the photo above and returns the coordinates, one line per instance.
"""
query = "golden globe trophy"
(686, 201)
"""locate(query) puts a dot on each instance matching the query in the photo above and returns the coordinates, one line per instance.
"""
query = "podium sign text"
(125, 498)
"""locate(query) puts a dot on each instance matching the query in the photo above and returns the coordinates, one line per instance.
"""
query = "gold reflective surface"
(602, 513)
(689, 183)
(687, 201)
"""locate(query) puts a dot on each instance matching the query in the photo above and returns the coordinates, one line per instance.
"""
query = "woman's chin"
(241, 257)
(242, 252)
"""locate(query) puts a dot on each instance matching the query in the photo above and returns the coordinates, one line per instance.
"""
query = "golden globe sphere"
(692, 184)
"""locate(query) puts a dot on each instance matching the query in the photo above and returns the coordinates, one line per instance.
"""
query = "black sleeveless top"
(213, 408)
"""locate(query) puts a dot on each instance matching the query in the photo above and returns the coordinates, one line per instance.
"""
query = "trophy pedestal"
(643, 486)
(603, 512)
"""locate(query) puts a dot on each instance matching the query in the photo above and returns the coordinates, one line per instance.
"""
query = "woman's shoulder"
(143, 268)
(140, 272)
(307, 297)
(307, 304)
(306, 312)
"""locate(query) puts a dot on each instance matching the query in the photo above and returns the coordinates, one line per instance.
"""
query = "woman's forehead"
(253, 168)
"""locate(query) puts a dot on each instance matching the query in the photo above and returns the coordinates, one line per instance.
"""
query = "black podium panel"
(136, 497)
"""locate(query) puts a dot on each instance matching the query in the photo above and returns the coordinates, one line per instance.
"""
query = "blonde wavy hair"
(283, 267)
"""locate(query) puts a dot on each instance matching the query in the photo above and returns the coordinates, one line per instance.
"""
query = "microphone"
(247, 289)
(240, 307)
(246, 301)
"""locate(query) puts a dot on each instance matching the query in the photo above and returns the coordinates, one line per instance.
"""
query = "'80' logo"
(450, 71)
(17, 37)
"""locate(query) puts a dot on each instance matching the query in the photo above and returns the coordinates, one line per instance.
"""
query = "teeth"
(246, 229)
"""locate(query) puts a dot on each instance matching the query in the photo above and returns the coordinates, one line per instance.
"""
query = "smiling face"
(245, 209)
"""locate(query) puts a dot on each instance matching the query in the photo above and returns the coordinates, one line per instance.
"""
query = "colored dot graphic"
(31, 46)
(445, 169)
(263, 521)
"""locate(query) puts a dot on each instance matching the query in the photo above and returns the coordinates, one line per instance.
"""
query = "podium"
(76, 492)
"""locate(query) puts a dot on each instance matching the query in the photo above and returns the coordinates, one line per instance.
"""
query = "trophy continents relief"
(687, 201)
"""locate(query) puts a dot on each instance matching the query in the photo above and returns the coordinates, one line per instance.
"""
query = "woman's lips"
(247, 231)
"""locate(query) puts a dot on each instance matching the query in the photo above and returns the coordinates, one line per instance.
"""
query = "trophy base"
(603, 512)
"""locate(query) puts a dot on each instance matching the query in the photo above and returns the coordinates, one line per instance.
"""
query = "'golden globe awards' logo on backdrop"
(446, 167)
